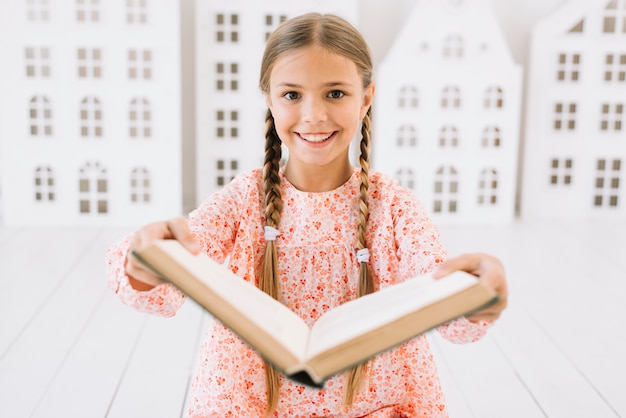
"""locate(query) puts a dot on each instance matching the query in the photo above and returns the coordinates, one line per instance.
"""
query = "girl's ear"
(268, 101)
(368, 98)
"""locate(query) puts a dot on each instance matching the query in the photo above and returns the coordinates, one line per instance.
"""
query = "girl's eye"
(336, 94)
(291, 95)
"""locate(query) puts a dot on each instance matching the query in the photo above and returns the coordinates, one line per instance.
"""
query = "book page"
(256, 306)
(372, 311)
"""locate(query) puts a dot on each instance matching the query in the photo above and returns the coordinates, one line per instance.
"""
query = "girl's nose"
(314, 111)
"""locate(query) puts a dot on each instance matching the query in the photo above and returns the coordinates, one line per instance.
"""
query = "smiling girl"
(313, 234)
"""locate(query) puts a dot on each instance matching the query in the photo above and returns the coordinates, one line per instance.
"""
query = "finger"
(179, 230)
(465, 262)
(136, 272)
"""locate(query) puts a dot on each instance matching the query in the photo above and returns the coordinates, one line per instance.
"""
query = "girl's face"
(317, 100)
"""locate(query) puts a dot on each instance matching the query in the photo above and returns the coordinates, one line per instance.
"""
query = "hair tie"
(271, 233)
(363, 255)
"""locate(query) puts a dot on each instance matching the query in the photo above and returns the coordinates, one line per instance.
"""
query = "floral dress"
(318, 270)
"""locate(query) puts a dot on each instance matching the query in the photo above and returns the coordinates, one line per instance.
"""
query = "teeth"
(315, 137)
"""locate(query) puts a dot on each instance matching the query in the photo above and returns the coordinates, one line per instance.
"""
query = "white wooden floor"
(69, 348)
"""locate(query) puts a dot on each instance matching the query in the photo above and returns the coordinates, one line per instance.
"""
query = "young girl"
(313, 234)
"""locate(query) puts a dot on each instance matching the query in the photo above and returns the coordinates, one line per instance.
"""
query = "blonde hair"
(338, 36)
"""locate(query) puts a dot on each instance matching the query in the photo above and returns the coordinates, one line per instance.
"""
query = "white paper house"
(90, 124)
(447, 111)
(575, 141)
(230, 108)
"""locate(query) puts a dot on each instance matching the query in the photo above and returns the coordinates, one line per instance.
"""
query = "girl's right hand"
(139, 277)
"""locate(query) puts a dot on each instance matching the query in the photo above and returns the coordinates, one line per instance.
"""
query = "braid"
(356, 376)
(269, 282)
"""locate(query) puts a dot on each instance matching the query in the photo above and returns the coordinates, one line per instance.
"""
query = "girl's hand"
(139, 277)
(489, 270)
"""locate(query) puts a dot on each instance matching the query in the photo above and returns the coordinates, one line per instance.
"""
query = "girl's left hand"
(489, 270)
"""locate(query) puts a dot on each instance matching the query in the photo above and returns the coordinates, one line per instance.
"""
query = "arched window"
(491, 137)
(407, 97)
(446, 190)
(44, 184)
(93, 189)
(140, 118)
(451, 97)
(90, 118)
(40, 116)
(448, 137)
(406, 177)
(140, 185)
(494, 98)
(453, 46)
(488, 187)
(407, 136)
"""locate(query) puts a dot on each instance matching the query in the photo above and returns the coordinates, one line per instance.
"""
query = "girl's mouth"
(316, 137)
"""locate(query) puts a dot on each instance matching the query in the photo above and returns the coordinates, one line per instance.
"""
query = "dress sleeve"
(420, 251)
(163, 300)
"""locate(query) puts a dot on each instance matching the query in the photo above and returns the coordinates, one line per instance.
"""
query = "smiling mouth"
(316, 138)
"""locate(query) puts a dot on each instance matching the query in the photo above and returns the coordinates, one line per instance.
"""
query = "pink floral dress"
(318, 270)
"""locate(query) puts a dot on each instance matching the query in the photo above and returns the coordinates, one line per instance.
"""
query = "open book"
(343, 337)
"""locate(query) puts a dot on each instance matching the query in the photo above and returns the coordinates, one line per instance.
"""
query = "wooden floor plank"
(32, 360)
(155, 381)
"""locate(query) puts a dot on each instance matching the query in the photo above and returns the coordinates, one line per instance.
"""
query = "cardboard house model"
(90, 124)
(575, 146)
(447, 112)
(230, 108)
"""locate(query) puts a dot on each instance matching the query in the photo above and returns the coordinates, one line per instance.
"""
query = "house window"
(615, 17)
(608, 174)
(448, 137)
(136, 11)
(37, 10)
(139, 64)
(227, 28)
(612, 117)
(140, 118)
(89, 63)
(37, 62)
(90, 118)
(494, 98)
(615, 68)
(564, 116)
(407, 136)
(226, 124)
(561, 171)
(139, 185)
(446, 190)
(488, 187)
(226, 171)
(578, 27)
(44, 184)
(406, 177)
(40, 116)
(453, 47)
(407, 97)
(491, 137)
(272, 22)
(568, 68)
(87, 10)
(451, 97)
(226, 76)
(93, 189)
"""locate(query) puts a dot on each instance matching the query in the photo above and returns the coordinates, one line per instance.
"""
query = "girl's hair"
(340, 37)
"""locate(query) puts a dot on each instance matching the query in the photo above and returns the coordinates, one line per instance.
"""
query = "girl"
(313, 234)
